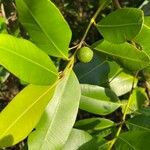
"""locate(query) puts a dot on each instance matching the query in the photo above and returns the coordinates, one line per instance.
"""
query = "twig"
(90, 24)
(117, 4)
(124, 116)
(3, 13)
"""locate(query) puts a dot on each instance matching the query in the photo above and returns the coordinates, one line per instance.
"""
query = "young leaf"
(121, 25)
(125, 54)
(76, 139)
(98, 100)
(26, 61)
(45, 25)
(133, 140)
(22, 114)
(56, 124)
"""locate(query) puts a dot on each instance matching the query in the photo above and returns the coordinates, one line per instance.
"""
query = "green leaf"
(133, 140)
(26, 61)
(76, 139)
(45, 25)
(94, 72)
(121, 25)
(57, 122)
(99, 71)
(143, 40)
(125, 54)
(94, 124)
(122, 83)
(139, 122)
(137, 100)
(143, 37)
(3, 26)
(97, 143)
(98, 100)
(22, 114)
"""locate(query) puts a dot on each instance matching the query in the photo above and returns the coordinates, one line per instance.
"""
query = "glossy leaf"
(125, 54)
(48, 29)
(134, 140)
(98, 100)
(76, 139)
(139, 122)
(57, 122)
(121, 25)
(22, 114)
(122, 83)
(26, 61)
(137, 100)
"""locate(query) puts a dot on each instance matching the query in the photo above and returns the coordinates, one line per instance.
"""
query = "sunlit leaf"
(26, 61)
(57, 122)
(121, 25)
(23, 113)
(46, 26)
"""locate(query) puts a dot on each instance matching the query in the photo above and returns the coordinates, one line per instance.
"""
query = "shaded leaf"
(133, 140)
(139, 122)
(121, 25)
(94, 72)
(98, 100)
(95, 125)
(26, 61)
(97, 143)
(48, 29)
(57, 122)
(22, 114)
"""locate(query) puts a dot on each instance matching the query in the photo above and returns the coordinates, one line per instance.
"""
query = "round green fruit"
(85, 54)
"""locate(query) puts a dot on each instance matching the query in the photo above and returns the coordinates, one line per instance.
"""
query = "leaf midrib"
(29, 60)
(55, 112)
(42, 29)
(117, 25)
(144, 128)
(127, 143)
(25, 111)
(97, 66)
(118, 56)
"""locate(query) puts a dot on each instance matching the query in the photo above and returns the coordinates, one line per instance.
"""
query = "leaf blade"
(61, 114)
(121, 25)
(26, 106)
(25, 60)
(125, 54)
(50, 35)
(98, 100)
